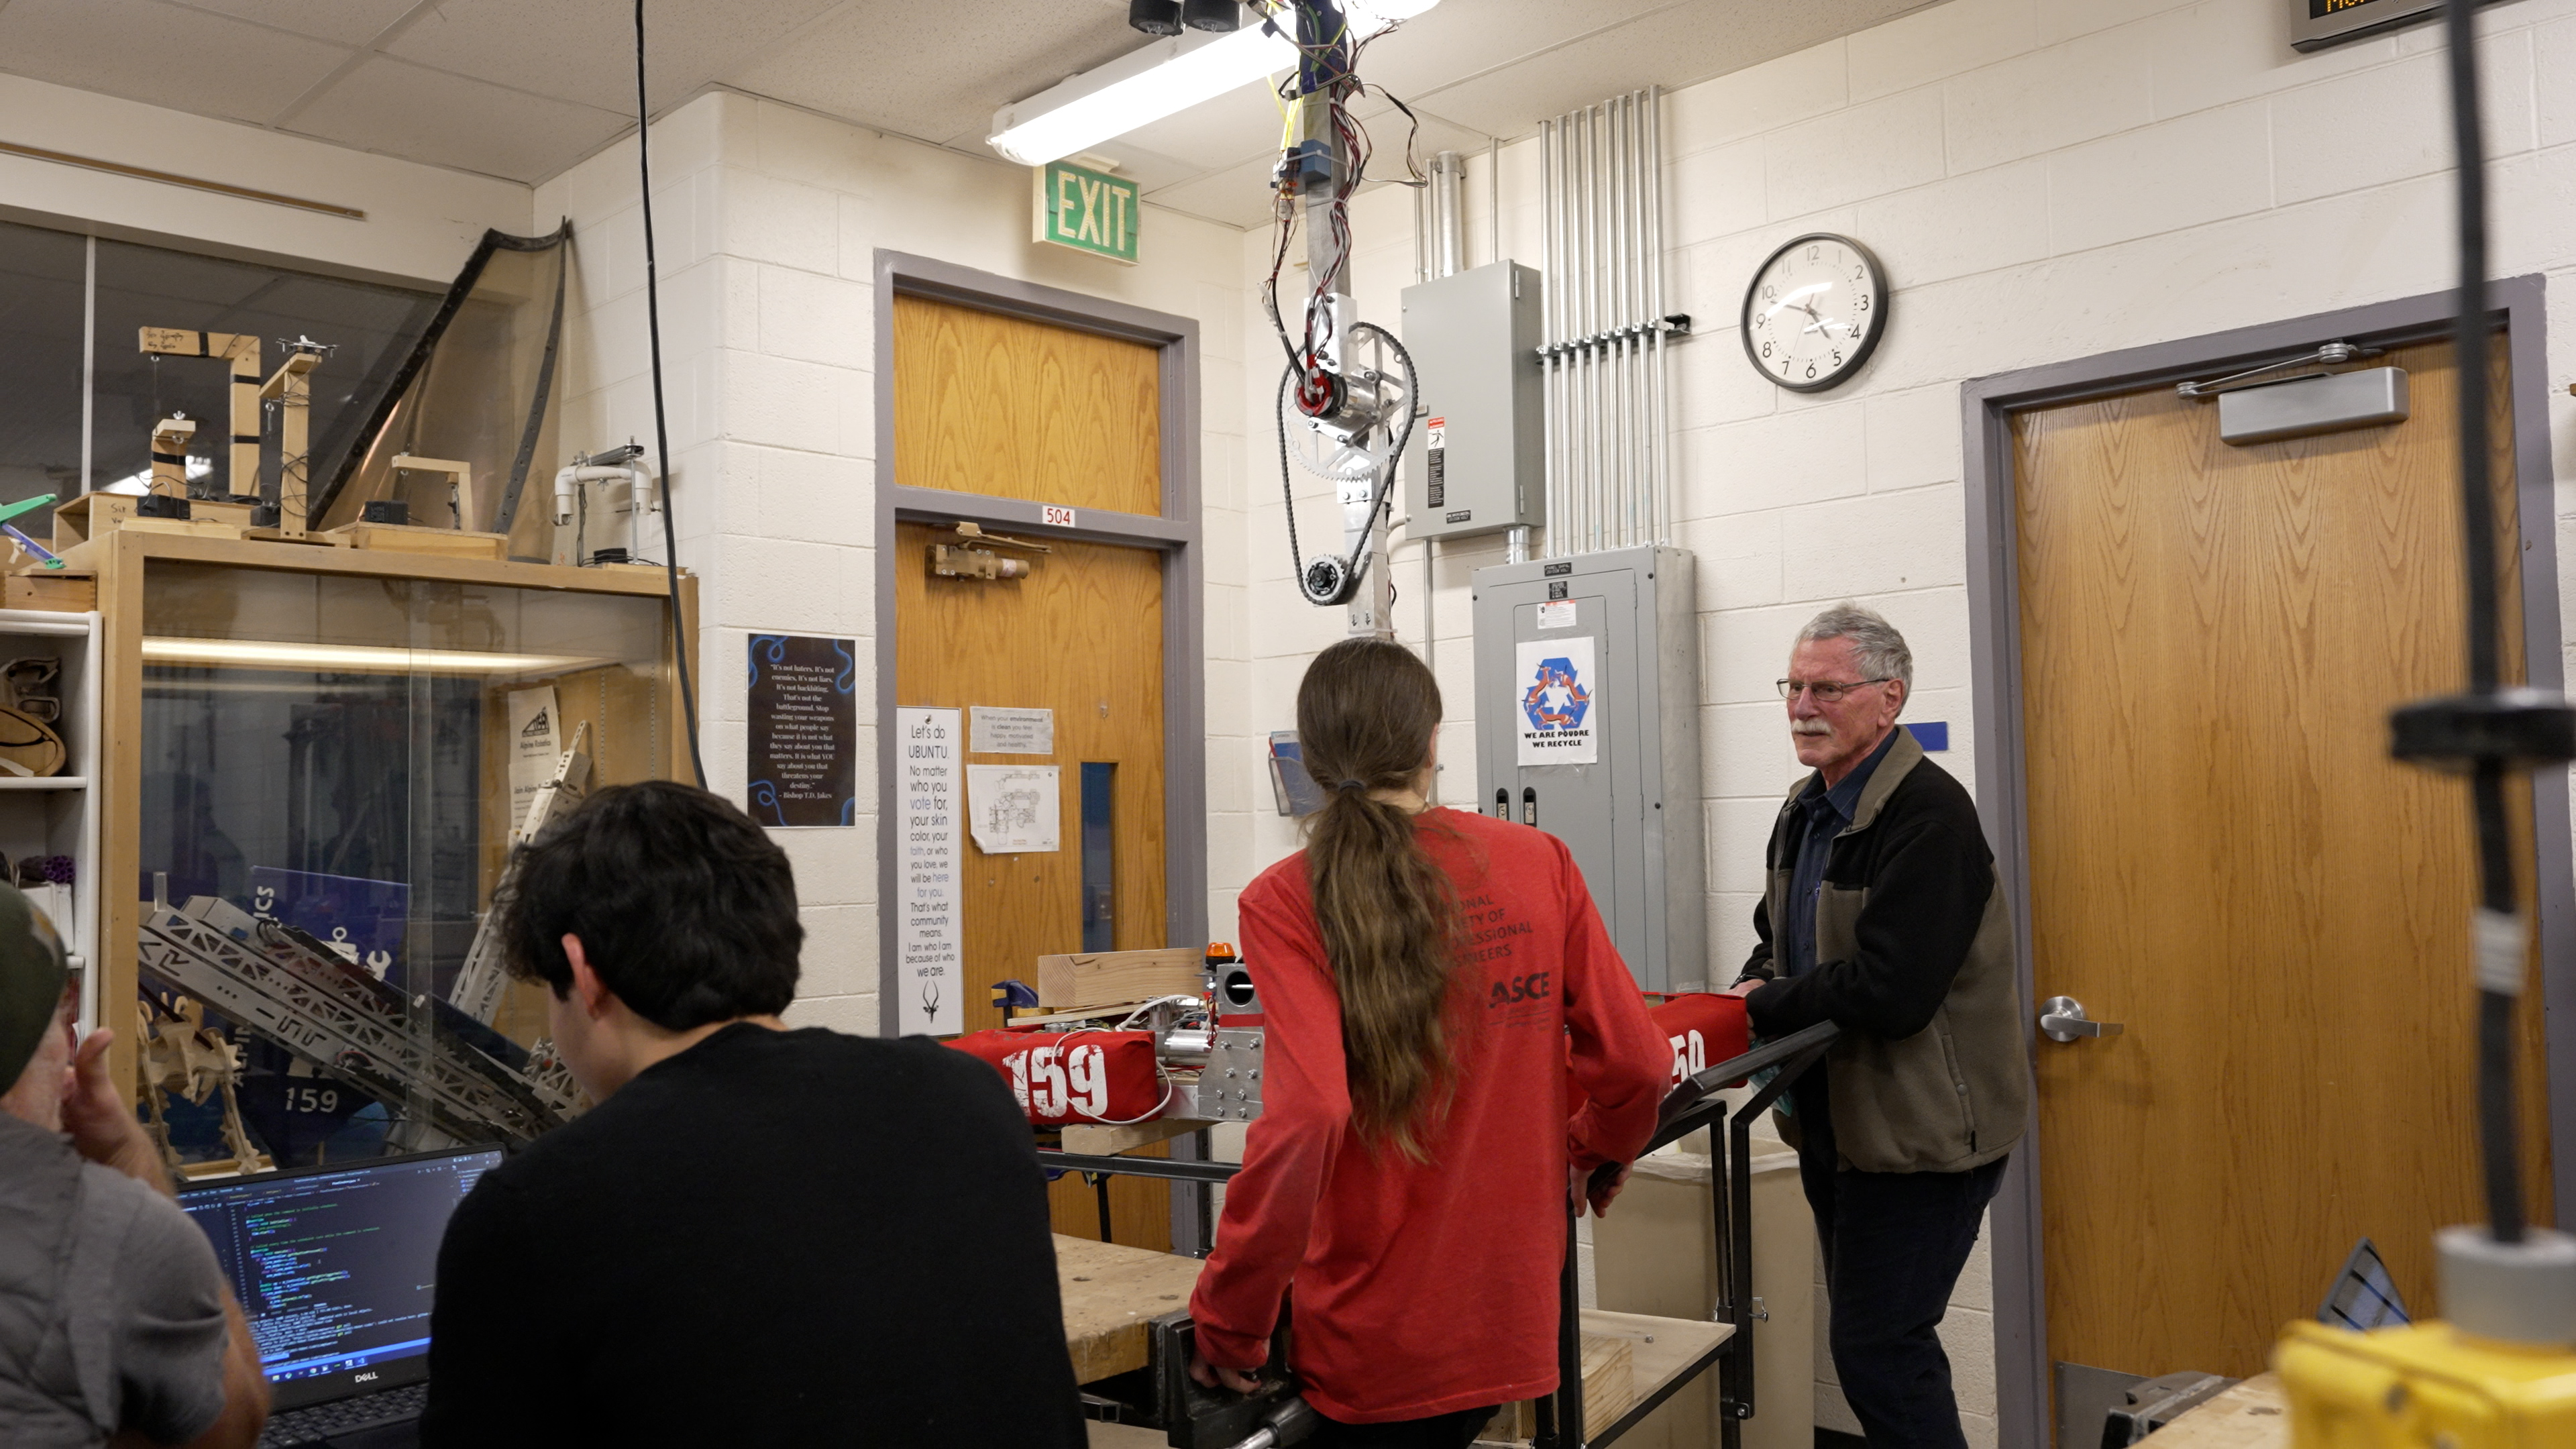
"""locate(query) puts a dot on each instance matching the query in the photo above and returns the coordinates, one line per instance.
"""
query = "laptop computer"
(335, 1268)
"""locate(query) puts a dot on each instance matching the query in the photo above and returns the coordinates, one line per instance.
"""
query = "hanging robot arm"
(1347, 398)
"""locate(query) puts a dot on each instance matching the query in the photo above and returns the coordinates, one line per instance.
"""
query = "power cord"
(661, 423)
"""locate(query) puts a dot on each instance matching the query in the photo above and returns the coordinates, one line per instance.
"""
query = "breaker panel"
(1587, 726)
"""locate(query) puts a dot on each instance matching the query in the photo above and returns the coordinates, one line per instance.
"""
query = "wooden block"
(1109, 1293)
(413, 538)
(53, 589)
(1086, 1140)
(94, 515)
(1106, 978)
(1609, 1387)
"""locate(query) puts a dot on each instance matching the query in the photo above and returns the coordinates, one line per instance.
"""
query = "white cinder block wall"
(2044, 181)
(767, 224)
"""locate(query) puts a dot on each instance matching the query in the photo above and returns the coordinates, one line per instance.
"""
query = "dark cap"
(32, 972)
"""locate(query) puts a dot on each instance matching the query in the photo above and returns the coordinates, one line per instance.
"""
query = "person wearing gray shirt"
(114, 1318)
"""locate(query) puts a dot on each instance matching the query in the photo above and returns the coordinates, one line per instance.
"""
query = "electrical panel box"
(1477, 457)
(1587, 726)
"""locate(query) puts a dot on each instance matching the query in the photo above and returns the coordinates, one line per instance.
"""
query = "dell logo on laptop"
(364, 1378)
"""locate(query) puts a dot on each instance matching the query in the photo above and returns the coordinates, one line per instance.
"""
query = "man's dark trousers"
(1893, 1245)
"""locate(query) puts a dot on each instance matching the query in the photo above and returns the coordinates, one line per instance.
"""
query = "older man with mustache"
(1881, 913)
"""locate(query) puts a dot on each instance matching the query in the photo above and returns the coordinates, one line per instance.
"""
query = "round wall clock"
(1815, 310)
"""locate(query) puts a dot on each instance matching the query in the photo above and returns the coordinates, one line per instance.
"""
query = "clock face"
(1814, 311)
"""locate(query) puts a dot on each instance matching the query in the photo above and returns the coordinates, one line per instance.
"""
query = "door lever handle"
(2062, 1018)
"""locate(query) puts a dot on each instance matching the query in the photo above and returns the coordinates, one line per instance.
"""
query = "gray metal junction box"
(1587, 725)
(1477, 459)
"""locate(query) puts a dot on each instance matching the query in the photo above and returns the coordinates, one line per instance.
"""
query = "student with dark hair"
(757, 1236)
(1423, 972)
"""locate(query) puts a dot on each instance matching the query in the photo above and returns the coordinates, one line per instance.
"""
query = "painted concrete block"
(2553, 61)
(793, 144)
(1967, 224)
(1913, 437)
(815, 497)
(2405, 111)
(1739, 831)
(2158, 179)
(1914, 49)
(1868, 150)
(814, 317)
(1882, 543)
(833, 867)
(1758, 98)
(850, 1015)
(1709, 379)
(764, 219)
(1745, 651)
(1717, 191)
(2216, 54)
(1739, 559)
(1773, 462)
(2046, 100)
(2064, 22)
(789, 404)
(840, 953)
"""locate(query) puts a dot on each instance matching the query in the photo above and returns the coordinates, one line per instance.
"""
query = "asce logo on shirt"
(1532, 987)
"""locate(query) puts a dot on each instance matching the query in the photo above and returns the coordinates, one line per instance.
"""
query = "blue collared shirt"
(1822, 815)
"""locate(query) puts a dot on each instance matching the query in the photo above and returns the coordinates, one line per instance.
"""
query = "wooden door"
(999, 406)
(2225, 860)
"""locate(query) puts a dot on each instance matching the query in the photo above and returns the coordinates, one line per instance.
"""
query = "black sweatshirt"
(774, 1238)
(1924, 863)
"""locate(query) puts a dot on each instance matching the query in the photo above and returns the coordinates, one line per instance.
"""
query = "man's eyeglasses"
(1824, 691)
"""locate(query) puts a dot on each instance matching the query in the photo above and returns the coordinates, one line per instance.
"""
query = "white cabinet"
(57, 815)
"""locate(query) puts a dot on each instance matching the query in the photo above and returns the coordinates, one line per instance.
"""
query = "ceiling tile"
(584, 50)
(184, 59)
(352, 22)
(1678, 45)
(404, 110)
(932, 71)
(1236, 196)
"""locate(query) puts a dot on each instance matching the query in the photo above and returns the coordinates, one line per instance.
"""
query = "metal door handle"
(2062, 1018)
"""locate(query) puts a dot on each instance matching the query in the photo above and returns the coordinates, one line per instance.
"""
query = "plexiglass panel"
(332, 769)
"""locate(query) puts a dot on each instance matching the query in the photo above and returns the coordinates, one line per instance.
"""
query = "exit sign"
(1087, 210)
(2316, 24)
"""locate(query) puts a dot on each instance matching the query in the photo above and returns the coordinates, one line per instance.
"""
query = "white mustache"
(1810, 727)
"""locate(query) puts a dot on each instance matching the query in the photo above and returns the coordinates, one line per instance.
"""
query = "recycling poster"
(1560, 721)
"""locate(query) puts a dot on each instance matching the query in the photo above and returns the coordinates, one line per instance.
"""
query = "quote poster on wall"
(803, 741)
(930, 848)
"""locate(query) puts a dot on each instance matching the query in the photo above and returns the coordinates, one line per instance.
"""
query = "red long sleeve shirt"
(1427, 1287)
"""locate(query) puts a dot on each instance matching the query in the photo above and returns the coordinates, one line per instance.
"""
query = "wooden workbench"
(1109, 1294)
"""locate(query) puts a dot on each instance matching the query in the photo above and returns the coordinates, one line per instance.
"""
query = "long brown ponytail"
(1365, 717)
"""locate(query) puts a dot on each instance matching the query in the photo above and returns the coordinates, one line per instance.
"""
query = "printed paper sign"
(803, 741)
(535, 744)
(1560, 721)
(930, 981)
(1556, 614)
(1013, 731)
(1013, 809)
(1054, 517)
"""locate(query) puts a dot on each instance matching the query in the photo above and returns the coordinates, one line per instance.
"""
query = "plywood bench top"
(1109, 1293)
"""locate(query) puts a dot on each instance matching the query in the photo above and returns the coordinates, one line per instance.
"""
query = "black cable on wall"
(661, 422)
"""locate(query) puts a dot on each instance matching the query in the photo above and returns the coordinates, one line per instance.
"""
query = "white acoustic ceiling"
(524, 88)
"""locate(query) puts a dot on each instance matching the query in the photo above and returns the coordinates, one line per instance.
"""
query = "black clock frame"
(1868, 344)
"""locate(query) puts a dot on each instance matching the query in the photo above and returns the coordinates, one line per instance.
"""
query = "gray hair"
(1881, 650)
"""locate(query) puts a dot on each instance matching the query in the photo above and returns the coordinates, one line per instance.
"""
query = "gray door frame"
(2517, 305)
(1174, 533)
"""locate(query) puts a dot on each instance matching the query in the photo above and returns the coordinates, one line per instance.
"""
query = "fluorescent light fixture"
(354, 658)
(1158, 80)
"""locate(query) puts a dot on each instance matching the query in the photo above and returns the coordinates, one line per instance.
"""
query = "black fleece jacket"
(1927, 872)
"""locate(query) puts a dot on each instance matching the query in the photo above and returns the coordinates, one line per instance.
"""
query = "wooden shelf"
(44, 782)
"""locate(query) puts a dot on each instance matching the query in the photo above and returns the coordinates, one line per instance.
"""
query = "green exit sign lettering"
(1086, 210)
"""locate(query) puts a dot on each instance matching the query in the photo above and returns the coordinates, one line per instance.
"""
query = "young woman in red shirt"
(1424, 973)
